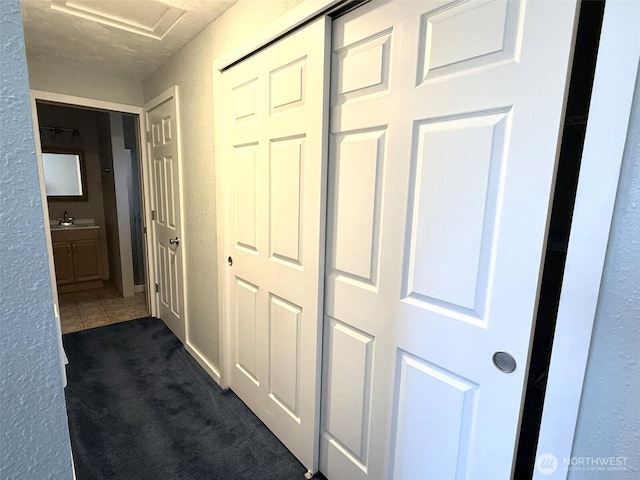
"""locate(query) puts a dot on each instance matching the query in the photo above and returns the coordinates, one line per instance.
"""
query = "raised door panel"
(287, 86)
(246, 355)
(286, 183)
(175, 281)
(170, 171)
(245, 169)
(434, 420)
(159, 190)
(285, 324)
(163, 274)
(348, 377)
(354, 228)
(453, 207)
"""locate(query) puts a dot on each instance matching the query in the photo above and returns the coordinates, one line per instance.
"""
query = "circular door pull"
(504, 362)
(174, 241)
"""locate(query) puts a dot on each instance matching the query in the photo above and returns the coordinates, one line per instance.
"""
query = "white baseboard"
(204, 363)
(139, 288)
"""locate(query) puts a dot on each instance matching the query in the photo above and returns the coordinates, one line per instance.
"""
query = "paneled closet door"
(275, 157)
(444, 134)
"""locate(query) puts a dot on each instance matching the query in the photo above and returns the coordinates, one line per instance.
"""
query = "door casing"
(75, 101)
(612, 95)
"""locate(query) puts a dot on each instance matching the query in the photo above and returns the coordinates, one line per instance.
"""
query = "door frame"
(168, 94)
(617, 65)
(91, 103)
(602, 157)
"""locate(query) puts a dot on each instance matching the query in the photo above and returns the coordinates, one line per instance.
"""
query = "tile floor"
(98, 307)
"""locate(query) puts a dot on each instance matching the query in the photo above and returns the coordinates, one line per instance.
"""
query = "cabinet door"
(86, 263)
(63, 260)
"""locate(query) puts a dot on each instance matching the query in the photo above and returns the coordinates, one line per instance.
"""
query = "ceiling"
(125, 38)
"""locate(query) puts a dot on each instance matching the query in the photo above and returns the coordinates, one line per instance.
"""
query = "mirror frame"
(83, 175)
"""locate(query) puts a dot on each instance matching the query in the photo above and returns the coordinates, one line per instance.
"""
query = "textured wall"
(34, 439)
(191, 70)
(609, 416)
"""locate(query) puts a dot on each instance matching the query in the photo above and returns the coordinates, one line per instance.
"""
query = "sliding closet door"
(275, 150)
(444, 132)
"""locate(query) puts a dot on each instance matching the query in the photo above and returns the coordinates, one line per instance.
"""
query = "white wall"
(609, 417)
(34, 437)
(191, 70)
(50, 77)
(108, 186)
(121, 177)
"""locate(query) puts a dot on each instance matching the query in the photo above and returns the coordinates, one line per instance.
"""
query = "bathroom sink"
(78, 223)
(73, 227)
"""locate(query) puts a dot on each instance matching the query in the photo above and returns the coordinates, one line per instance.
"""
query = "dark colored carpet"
(141, 408)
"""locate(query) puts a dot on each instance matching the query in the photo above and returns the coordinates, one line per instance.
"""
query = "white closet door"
(275, 154)
(444, 136)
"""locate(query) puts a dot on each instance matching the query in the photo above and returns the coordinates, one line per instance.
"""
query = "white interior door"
(166, 222)
(275, 156)
(444, 132)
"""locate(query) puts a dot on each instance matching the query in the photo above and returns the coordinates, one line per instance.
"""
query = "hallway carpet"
(141, 408)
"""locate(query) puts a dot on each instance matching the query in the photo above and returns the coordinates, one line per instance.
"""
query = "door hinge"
(144, 230)
(157, 288)
(153, 214)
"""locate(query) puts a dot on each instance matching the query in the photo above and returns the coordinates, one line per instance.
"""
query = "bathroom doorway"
(112, 207)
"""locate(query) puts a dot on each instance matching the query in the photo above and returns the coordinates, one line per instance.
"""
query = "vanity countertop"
(74, 227)
(78, 224)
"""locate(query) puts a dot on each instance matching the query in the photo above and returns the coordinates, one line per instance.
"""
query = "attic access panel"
(150, 18)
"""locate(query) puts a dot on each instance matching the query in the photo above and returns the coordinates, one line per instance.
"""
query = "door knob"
(504, 362)
(174, 241)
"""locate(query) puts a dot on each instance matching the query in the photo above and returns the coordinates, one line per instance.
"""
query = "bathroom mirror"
(64, 174)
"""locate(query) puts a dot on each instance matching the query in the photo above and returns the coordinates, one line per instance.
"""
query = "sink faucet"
(66, 218)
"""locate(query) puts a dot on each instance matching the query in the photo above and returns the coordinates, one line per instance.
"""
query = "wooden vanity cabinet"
(76, 255)
(63, 260)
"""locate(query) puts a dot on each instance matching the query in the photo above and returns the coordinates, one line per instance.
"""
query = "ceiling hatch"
(150, 18)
